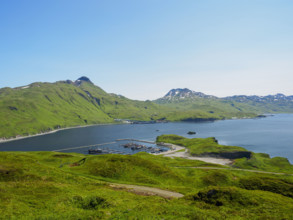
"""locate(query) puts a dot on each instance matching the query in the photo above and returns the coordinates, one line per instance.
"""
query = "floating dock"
(143, 141)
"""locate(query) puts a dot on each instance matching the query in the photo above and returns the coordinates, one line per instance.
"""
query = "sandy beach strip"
(19, 137)
(176, 151)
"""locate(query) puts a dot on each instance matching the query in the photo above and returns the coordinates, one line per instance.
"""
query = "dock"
(143, 141)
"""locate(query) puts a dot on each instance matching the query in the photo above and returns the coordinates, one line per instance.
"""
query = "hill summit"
(82, 79)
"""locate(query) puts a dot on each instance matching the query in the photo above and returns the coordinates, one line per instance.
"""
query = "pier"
(87, 146)
(148, 142)
(143, 141)
(99, 149)
(104, 151)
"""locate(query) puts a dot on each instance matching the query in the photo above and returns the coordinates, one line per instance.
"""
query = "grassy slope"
(121, 107)
(45, 185)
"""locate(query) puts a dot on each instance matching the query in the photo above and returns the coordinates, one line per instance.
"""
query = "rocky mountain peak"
(184, 93)
(81, 80)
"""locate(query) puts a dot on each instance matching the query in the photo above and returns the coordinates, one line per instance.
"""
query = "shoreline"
(3, 140)
(176, 151)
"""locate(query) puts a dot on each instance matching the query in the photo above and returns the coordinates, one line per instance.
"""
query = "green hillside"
(46, 106)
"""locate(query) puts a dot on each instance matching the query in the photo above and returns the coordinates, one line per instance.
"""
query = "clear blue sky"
(143, 48)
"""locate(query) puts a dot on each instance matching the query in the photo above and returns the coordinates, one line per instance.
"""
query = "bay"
(272, 135)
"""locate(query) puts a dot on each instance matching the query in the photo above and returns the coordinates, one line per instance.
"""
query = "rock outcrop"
(229, 155)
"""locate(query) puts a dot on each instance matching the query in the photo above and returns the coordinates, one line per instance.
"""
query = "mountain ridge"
(41, 107)
(175, 92)
(278, 103)
(182, 93)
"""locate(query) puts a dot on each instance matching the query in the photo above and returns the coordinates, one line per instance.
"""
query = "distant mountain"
(189, 99)
(278, 103)
(177, 94)
(262, 99)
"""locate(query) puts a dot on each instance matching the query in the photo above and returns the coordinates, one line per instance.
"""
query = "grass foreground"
(50, 185)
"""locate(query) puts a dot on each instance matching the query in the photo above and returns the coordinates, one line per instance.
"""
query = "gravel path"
(147, 191)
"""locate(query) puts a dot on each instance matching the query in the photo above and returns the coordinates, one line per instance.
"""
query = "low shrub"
(90, 202)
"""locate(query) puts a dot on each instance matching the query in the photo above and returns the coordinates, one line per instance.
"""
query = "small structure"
(191, 132)
(134, 146)
(95, 151)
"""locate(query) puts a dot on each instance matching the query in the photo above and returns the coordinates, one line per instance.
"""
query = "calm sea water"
(272, 135)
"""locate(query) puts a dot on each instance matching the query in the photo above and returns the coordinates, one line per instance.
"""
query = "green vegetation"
(48, 185)
(199, 146)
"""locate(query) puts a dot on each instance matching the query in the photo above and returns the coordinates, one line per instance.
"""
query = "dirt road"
(177, 152)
